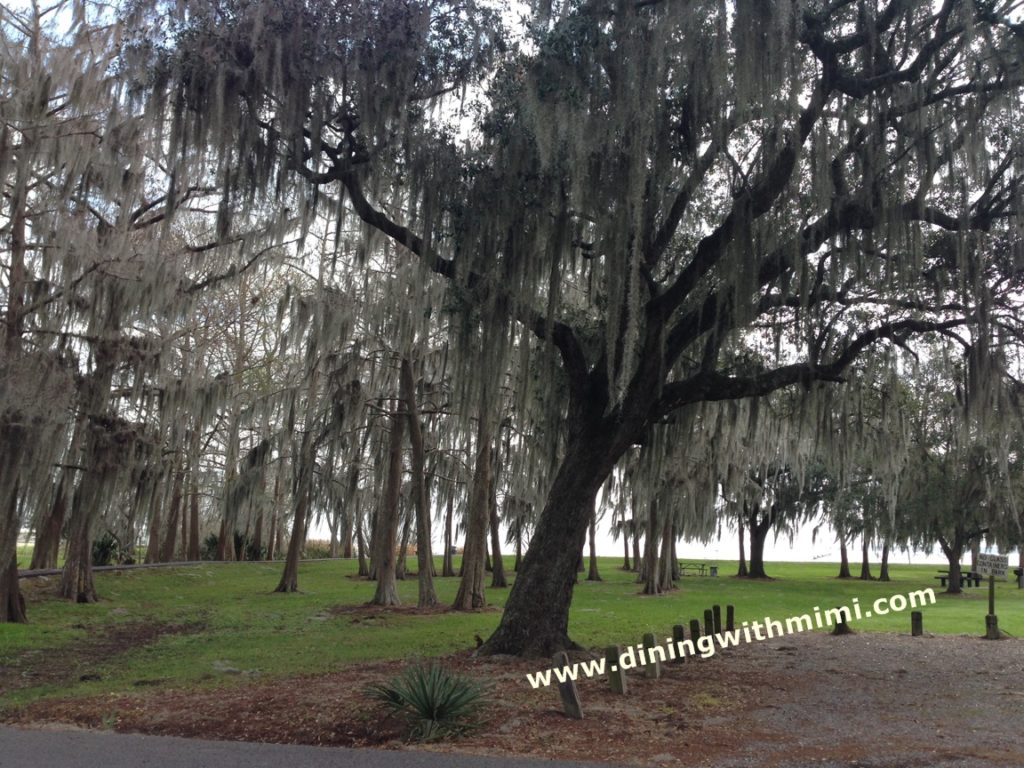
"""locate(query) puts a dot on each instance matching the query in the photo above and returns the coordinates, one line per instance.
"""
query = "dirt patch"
(80, 660)
(868, 700)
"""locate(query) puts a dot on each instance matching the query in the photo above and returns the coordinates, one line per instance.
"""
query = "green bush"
(208, 549)
(108, 550)
(437, 702)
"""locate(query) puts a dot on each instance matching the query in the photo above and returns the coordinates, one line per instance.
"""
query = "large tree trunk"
(303, 490)
(47, 546)
(844, 558)
(290, 577)
(472, 594)
(536, 617)
(883, 573)
(193, 518)
(76, 579)
(665, 568)
(759, 530)
(427, 597)
(170, 541)
(592, 574)
(953, 550)
(865, 564)
(12, 604)
(385, 539)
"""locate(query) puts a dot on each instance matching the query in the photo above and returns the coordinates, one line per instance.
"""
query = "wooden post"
(653, 666)
(678, 635)
(716, 614)
(916, 624)
(991, 621)
(695, 630)
(730, 618)
(709, 622)
(567, 690)
(616, 675)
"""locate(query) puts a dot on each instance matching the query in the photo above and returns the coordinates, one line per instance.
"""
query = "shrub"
(208, 550)
(105, 549)
(437, 702)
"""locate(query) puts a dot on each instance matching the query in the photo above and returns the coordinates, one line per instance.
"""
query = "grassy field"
(250, 629)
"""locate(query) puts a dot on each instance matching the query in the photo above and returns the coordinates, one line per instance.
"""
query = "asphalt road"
(43, 748)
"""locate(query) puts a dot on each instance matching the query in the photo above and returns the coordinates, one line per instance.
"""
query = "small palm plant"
(438, 702)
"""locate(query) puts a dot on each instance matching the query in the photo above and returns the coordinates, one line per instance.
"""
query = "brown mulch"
(866, 700)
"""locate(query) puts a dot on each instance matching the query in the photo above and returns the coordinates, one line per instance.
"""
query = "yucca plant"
(439, 703)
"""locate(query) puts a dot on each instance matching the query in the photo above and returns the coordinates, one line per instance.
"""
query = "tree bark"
(303, 490)
(364, 568)
(170, 541)
(742, 572)
(652, 582)
(193, 522)
(536, 617)
(626, 566)
(593, 574)
(427, 596)
(760, 526)
(155, 522)
(403, 547)
(472, 594)
(635, 531)
(386, 529)
(865, 564)
(47, 546)
(498, 579)
(290, 577)
(844, 558)
(953, 550)
(665, 566)
(447, 567)
(883, 573)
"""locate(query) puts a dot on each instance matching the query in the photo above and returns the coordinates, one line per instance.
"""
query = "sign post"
(992, 566)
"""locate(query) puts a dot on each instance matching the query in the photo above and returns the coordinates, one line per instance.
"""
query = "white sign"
(994, 565)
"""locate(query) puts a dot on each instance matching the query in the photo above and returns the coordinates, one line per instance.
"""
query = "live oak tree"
(646, 182)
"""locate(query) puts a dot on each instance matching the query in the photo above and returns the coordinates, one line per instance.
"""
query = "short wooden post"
(616, 675)
(991, 621)
(730, 618)
(567, 690)
(916, 624)
(716, 614)
(695, 630)
(709, 622)
(678, 635)
(653, 666)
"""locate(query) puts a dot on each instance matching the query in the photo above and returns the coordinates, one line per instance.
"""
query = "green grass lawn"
(250, 628)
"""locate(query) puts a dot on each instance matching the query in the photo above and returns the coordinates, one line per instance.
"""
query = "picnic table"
(693, 569)
(966, 577)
